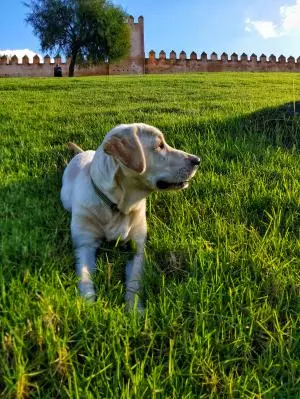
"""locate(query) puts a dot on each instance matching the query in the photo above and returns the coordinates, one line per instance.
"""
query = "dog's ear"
(126, 147)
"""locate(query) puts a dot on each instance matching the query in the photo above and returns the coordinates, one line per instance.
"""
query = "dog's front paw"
(87, 291)
(133, 301)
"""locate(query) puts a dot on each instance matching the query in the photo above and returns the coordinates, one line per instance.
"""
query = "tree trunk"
(72, 64)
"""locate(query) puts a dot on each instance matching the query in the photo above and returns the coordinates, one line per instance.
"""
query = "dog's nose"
(195, 160)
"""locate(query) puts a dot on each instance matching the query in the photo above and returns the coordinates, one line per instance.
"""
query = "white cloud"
(289, 23)
(266, 29)
(291, 17)
(20, 54)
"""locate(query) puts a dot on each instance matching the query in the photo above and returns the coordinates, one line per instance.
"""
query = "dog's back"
(80, 164)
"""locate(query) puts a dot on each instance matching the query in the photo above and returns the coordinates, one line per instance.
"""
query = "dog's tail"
(74, 147)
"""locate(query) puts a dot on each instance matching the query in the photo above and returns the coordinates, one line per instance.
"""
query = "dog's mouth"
(165, 185)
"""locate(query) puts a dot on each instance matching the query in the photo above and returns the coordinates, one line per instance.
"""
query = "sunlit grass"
(221, 285)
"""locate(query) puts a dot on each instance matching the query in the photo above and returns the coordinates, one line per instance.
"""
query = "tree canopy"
(84, 30)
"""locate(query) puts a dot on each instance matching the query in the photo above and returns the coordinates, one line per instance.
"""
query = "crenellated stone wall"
(12, 68)
(136, 63)
(203, 63)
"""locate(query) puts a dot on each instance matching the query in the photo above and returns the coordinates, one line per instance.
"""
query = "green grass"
(221, 285)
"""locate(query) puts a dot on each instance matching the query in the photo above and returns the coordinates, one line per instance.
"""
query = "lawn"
(221, 284)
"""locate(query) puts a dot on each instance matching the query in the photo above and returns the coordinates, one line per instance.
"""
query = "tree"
(92, 31)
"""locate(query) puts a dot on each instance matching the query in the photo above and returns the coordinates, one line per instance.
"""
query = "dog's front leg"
(85, 243)
(134, 273)
(85, 266)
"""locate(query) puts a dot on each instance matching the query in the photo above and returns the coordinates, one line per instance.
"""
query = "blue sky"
(259, 26)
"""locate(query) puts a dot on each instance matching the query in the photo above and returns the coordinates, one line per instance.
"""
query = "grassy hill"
(222, 283)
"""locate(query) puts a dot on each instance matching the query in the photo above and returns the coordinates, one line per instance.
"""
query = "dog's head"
(143, 154)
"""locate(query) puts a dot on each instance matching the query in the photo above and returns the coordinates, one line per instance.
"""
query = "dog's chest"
(119, 227)
(112, 226)
(99, 221)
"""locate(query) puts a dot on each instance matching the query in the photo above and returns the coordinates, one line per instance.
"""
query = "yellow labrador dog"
(106, 192)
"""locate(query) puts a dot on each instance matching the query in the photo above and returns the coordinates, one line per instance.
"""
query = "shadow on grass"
(279, 125)
(34, 225)
(277, 128)
(273, 126)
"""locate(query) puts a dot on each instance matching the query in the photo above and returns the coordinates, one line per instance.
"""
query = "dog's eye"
(161, 146)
